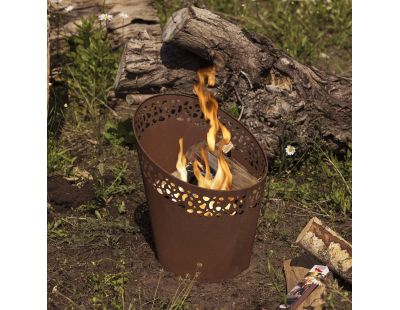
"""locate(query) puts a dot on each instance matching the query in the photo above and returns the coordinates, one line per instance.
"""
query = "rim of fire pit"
(187, 184)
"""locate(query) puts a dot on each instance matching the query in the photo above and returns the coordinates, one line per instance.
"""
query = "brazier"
(196, 229)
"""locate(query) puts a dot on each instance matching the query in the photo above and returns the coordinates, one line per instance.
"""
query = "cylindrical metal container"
(184, 237)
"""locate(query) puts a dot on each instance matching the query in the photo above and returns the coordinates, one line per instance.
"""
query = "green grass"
(316, 179)
(233, 110)
(55, 229)
(276, 276)
(109, 290)
(309, 30)
(119, 186)
(176, 302)
(336, 295)
(59, 160)
(119, 133)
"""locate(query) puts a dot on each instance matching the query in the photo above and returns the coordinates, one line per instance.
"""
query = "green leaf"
(121, 207)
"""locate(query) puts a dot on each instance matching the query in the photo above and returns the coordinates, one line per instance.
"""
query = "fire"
(206, 180)
(181, 163)
(223, 176)
(209, 106)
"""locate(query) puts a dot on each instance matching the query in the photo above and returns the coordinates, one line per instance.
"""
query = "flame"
(181, 163)
(206, 74)
(206, 180)
(223, 176)
(204, 156)
(209, 107)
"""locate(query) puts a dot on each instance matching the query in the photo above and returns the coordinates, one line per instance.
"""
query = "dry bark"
(148, 67)
(279, 96)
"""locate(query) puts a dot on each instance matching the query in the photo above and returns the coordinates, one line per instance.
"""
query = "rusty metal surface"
(221, 243)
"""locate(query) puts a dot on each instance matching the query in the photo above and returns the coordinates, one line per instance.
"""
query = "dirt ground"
(105, 259)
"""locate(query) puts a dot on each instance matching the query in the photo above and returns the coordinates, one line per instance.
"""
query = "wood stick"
(328, 246)
(241, 178)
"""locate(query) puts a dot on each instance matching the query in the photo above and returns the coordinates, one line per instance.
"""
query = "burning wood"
(207, 164)
(222, 179)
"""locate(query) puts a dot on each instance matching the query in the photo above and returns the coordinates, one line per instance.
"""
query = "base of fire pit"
(196, 229)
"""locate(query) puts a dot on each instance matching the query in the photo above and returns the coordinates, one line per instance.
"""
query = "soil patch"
(63, 194)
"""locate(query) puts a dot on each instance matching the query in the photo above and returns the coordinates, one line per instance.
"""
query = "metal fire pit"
(218, 246)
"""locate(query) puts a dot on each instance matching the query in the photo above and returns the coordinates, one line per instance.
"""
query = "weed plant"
(92, 66)
(106, 191)
(59, 160)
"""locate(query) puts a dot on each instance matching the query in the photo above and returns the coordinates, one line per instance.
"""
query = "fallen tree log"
(279, 96)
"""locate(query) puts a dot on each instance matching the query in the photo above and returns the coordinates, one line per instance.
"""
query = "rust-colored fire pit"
(194, 226)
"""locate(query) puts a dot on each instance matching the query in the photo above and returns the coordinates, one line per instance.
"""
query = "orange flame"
(209, 107)
(206, 180)
(181, 163)
(223, 176)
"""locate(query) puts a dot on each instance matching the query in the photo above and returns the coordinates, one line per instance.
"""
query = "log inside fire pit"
(275, 92)
(242, 178)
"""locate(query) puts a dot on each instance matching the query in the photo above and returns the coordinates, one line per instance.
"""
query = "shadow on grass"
(142, 219)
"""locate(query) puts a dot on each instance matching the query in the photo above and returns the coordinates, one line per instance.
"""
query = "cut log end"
(328, 246)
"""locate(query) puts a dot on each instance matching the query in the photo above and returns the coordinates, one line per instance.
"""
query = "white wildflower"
(123, 15)
(290, 150)
(106, 17)
(69, 8)
(65, 105)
